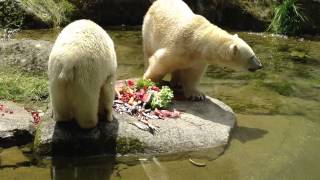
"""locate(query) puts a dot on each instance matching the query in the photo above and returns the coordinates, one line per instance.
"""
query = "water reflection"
(82, 168)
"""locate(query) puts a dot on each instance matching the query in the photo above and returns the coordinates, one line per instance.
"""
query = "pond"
(278, 125)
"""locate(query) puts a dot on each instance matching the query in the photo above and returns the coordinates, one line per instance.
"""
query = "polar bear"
(82, 69)
(177, 41)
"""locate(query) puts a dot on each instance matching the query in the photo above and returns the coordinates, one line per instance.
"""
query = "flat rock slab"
(16, 125)
(203, 125)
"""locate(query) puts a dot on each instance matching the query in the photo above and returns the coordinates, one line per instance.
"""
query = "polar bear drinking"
(177, 41)
(81, 69)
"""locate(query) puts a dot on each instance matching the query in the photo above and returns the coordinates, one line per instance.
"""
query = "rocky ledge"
(16, 125)
(30, 55)
(202, 125)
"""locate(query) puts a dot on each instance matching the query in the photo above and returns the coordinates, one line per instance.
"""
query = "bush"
(287, 19)
(11, 15)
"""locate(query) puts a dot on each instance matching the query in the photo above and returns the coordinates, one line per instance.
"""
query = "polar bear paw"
(195, 95)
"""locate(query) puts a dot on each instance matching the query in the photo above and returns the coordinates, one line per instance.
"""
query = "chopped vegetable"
(130, 83)
(163, 98)
(144, 83)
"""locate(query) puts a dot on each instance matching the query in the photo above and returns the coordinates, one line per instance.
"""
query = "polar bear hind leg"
(87, 104)
(62, 110)
(106, 99)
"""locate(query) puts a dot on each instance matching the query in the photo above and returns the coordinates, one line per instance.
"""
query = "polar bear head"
(242, 56)
(238, 55)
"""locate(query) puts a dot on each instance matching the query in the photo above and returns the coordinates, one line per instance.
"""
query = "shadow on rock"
(244, 134)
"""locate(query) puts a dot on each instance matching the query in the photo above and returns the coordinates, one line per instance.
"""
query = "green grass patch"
(23, 87)
(287, 18)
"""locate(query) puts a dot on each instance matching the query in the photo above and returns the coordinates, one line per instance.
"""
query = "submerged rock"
(31, 55)
(203, 125)
(13, 157)
(16, 125)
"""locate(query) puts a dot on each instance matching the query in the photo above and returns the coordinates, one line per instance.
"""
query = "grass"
(22, 87)
(287, 19)
(52, 12)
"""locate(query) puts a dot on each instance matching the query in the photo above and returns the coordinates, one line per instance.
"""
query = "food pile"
(145, 100)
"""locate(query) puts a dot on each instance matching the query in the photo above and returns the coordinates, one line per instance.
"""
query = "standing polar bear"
(81, 69)
(177, 41)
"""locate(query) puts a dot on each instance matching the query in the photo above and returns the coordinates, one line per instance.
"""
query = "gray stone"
(30, 55)
(203, 125)
(13, 157)
(16, 125)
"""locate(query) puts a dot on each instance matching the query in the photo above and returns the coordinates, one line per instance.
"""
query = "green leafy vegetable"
(141, 83)
(162, 99)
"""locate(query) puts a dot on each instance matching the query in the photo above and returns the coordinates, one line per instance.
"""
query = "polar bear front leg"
(190, 79)
(107, 97)
(158, 66)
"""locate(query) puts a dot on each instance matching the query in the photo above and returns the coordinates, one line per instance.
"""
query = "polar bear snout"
(255, 64)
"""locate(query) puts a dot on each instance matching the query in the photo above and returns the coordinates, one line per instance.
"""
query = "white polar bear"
(177, 41)
(82, 69)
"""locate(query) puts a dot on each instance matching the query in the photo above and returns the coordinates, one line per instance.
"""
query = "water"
(278, 118)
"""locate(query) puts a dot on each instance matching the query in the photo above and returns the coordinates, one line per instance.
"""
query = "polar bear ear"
(235, 35)
(233, 49)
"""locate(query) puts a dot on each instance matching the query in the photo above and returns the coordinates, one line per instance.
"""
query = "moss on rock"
(127, 145)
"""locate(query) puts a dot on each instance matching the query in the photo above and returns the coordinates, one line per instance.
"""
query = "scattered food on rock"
(16, 125)
(142, 99)
(4, 110)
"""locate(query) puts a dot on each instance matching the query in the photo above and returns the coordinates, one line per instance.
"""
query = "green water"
(278, 118)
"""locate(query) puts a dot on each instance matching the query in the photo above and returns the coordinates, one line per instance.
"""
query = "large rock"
(16, 125)
(203, 125)
(31, 55)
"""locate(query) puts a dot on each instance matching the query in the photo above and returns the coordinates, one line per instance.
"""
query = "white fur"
(177, 41)
(81, 69)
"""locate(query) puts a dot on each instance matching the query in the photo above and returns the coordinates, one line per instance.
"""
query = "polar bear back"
(83, 48)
